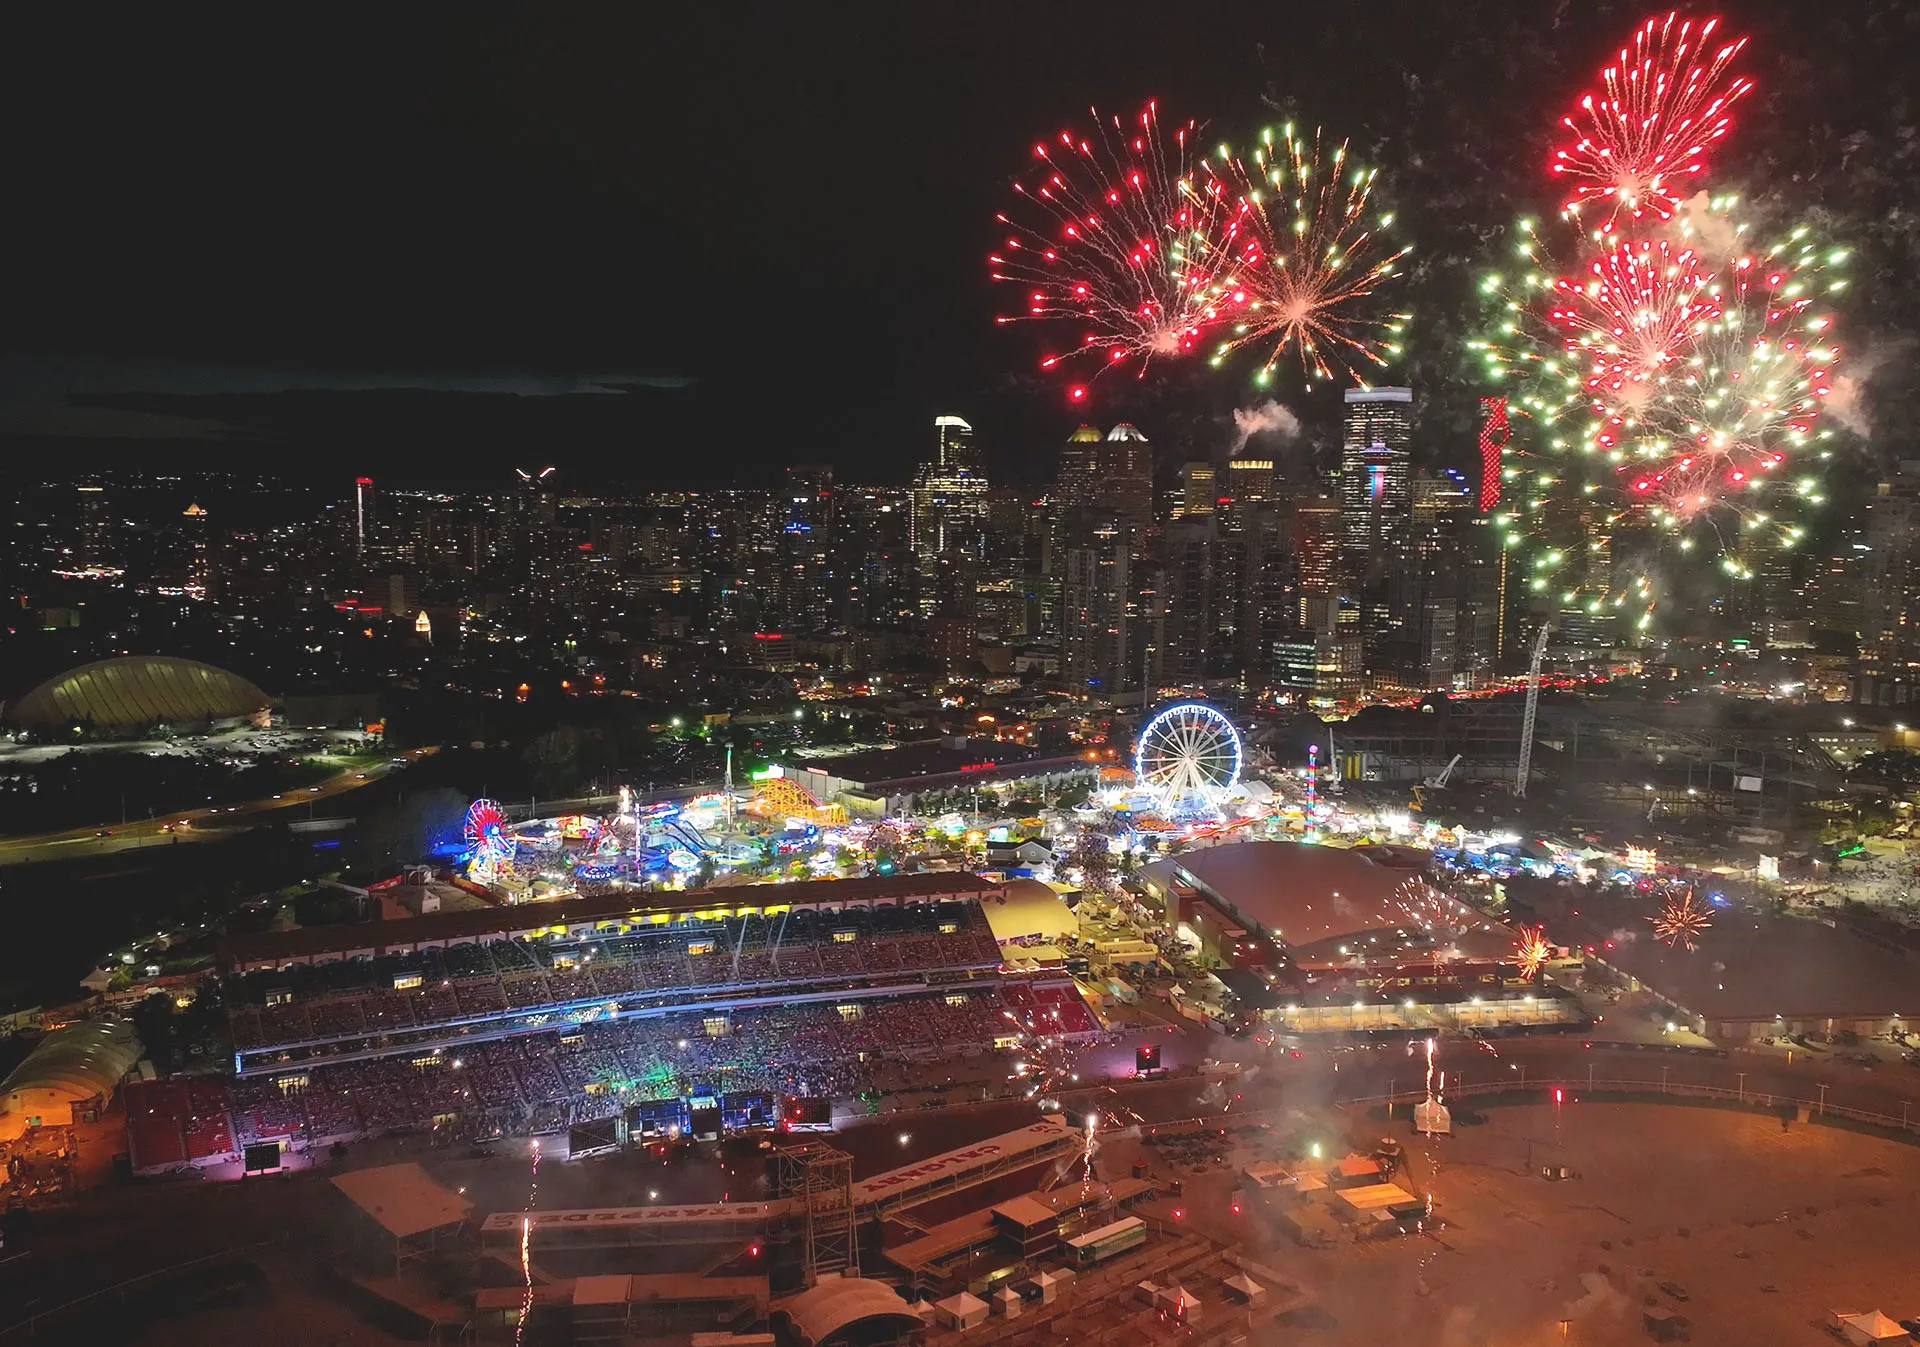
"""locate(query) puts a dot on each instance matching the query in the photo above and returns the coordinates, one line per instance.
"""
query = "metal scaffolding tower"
(820, 1179)
(1533, 709)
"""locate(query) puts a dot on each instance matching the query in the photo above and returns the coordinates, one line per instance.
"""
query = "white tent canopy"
(1246, 1287)
(1871, 1329)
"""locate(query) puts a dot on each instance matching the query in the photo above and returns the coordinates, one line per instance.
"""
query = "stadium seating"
(465, 1038)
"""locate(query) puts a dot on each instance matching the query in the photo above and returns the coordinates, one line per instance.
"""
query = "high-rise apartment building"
(1192, 545)
(1095, 594)
(1890, 607)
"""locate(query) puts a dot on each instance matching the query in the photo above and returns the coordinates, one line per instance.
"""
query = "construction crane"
(1533, 710)
(1438, 781)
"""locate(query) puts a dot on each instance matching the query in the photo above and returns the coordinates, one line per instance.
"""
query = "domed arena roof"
(76, 1062)
(134, 692)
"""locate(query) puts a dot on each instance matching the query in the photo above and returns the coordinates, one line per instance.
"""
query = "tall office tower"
(1316, 550)
(1375, 499)
(95, 529)
(1435, 497)
(804, 549)
(1249, 480)
(399, 594)
(949, 494)
(953, 447)
(1191, 547)
(364, 524)
(872, 554)
(1078, 482)
(1836, 590)
(1009, 590)
(1890, 608)
(1095, 591)
(1376, 504)
(1268, 593)
(197, 556)
(1198, 491)
(1126, 479)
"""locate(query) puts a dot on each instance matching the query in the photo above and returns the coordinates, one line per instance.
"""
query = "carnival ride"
(777, 799)
(1188, 757)
(490, 847)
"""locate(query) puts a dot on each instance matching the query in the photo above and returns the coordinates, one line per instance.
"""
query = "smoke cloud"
(1847, 404)
(1708, 232)
(1269, 418)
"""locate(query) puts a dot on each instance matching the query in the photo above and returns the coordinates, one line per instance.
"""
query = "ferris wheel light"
(1189, 756)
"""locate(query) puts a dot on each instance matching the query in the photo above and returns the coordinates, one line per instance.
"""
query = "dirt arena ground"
(1763, 1230)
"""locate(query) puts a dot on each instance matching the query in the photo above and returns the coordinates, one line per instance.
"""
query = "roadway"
(191, 825)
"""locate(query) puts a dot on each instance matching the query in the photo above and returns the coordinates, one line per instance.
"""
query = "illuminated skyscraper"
(1250, 480)
(96, 531)
(1374, 474)
(1199, 492)
(1376, 506)
(949, 493)
(1079, 479)
(1095, 590)
(1316, 545)
(1126, 479)
(363, 522)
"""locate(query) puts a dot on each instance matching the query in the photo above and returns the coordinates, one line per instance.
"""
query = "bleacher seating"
(474, 1042)
(357, 998)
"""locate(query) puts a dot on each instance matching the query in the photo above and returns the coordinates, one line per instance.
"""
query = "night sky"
(698, 245)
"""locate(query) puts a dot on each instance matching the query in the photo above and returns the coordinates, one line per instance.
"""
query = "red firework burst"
(1103, 241)
(1665, 100)
(1631, 315)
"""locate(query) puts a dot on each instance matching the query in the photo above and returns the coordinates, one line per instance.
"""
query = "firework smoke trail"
(1111, 238)
(526, 1246)
(1665, 101)
(1304, 247)
(526, 1273)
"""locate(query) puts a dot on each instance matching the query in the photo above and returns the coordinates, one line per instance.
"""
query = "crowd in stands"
(362, 998)
(559, 1076)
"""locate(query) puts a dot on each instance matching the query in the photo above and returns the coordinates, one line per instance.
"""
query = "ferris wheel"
(489, 847)
(1189, 756)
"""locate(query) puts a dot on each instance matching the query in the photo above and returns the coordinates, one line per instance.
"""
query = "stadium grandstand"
(542, 1016)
